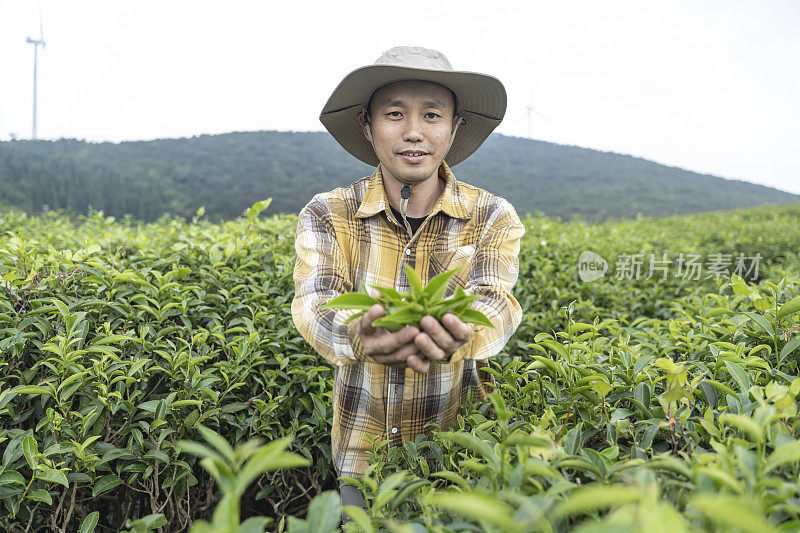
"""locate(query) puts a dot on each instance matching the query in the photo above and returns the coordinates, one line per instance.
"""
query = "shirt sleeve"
(321, 273)
(494, 272)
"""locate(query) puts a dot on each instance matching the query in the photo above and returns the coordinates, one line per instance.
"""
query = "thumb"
(372, 314)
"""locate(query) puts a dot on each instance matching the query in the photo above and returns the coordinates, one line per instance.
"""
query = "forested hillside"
(226, 173)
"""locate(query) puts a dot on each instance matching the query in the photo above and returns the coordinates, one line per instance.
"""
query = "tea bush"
(620, 404)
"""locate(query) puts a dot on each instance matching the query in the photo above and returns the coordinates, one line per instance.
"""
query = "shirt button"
(408, 252)
(394, 430)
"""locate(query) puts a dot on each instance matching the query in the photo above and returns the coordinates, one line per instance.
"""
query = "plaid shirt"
(350, 235)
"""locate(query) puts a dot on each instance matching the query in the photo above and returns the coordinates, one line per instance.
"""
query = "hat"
(481, 100)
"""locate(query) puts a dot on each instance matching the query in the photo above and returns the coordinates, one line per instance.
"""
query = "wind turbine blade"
(41, 25)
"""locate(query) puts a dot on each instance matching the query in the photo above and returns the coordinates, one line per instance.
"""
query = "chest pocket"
(460, 258)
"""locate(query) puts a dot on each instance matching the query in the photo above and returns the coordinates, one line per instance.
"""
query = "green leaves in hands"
(476, 317)
(407, 308)
(414, 282)
(389, 296)
(351, 300)
(399, 319)
(436, 287)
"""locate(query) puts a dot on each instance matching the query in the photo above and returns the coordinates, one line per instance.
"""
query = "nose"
(413, 130)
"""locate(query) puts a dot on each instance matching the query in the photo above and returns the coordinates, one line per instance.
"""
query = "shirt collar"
(451, 201)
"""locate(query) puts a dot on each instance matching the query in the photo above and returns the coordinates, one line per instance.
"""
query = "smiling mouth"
(413, 156)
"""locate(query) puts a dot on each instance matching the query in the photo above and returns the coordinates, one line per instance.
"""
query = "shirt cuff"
(353, 335)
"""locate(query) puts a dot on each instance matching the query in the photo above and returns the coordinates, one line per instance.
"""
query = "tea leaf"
(360, 517)
(351, 300)
(762, 322)
(739, 286)
(398, 320)
(31, 389)
(476, 317)
(414, 283)
(437, 286)
(257, 208)
(218, 442)
(105, 484)
(741, 377)
(732, 513)
(522, 438)
(268, 458)
(473, 443)
(788, 453)
(325, 512)
(790, 347)
(601, 387)
(452, 477)
(789, 308)
(53, 476)
(390, 293)
(90, 522)
(354, 316)
(480, 507)
(40, 495)
(744, 424)
(30, 449)
(388, 489)
(589, 499)
(254, 524)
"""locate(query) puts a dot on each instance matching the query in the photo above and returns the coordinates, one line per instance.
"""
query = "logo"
(591, 266)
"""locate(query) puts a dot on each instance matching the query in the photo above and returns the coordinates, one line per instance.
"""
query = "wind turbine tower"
(36, 43)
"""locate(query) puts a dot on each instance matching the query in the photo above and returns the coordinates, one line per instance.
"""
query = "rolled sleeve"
(321, 274)
(494, 273)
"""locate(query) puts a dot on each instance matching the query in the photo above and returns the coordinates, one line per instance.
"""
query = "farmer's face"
(412, 122)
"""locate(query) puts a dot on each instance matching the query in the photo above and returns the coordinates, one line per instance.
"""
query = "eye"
(393, 114)
(431, 115)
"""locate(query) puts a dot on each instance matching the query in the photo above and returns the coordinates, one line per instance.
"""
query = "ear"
(362, 119)
(456, 120)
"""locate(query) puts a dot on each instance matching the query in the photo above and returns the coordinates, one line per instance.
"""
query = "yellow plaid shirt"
(350, 235)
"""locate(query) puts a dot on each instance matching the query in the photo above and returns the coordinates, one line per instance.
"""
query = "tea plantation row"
(654, 404)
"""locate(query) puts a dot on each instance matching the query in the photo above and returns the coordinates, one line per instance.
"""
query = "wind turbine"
(529, 109)
(36, 43)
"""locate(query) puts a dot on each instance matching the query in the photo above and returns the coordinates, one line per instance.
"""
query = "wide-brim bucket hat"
(481, 100)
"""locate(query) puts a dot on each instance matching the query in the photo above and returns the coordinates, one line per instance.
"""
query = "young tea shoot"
(407, 308)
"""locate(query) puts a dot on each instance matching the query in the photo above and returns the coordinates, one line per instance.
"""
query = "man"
(403, 115)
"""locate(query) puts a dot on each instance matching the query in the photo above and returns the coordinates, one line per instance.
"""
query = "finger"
(389, 343)
(390, 362)
(460, 331)
(418, 363)
(429, 348)
(439, 335)
(397, 357)
(372, 314)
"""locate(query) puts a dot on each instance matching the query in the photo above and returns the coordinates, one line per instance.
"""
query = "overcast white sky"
(710, 86)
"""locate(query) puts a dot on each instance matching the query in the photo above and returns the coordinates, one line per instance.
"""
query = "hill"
(226, 173)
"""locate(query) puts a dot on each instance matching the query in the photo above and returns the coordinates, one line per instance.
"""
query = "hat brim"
(481, 100)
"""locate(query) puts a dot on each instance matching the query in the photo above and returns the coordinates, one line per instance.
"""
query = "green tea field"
(652, 385)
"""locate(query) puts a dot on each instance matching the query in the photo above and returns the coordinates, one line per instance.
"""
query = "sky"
(711, 86)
